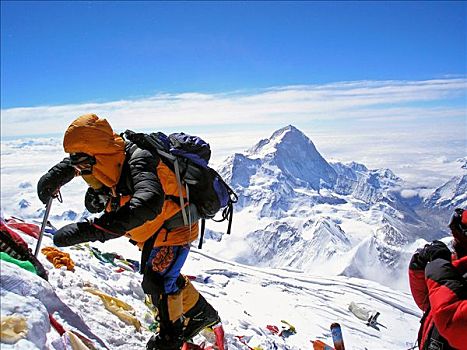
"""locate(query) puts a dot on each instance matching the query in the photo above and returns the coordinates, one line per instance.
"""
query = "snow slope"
(248, 299)
(452, 193)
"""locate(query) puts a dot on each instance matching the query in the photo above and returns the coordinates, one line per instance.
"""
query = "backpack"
(188, 157)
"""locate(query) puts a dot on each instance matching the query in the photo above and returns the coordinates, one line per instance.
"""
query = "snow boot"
(200, 316)
(168, 338)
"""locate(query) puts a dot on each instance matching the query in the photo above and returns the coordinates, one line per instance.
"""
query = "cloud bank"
(405, 125)
(358, 100)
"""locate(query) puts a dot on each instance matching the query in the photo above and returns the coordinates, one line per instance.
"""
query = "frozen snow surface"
(247, 298)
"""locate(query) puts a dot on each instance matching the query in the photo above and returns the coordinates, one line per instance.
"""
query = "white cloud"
(408, 193)
(403, 125)
(345, 100)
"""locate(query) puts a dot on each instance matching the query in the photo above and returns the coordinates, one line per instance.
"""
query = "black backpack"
(188, 157)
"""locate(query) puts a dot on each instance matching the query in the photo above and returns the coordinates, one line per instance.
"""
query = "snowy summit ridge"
(453, 192)
(296, 156)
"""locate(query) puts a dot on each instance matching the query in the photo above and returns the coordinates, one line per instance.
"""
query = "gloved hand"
(55, 178)
(47, 186)
(96, 200)
(429, 253)
(82, 232)
(76, 233)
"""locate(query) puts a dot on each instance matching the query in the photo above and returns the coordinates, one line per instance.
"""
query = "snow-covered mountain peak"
(295, 156)
(357, 167)
(450, 195)
(328, 237)
(288, 137)
(463, 162)
(303, 212)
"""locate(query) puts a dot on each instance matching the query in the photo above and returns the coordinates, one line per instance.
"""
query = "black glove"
(433, 251)
(82, 232)
(55, 178)
(96, 200)
(76, 233)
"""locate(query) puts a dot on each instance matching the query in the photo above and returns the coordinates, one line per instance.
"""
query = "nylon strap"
(147, 249)
(201, 236)
(187, 189)
(180, 193)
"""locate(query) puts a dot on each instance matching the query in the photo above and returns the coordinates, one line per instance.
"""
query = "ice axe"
(45, 220)
(44, 224)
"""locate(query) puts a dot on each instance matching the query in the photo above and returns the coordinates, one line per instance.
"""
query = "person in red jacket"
(438, 281)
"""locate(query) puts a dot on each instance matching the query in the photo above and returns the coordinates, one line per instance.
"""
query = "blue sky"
(55, 53)
(381, 83)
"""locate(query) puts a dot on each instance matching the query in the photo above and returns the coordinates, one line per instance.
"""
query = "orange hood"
(94, 136)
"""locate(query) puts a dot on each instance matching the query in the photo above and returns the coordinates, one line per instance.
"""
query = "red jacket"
(441, 289)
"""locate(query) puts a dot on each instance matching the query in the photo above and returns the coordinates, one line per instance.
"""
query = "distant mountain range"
(296, 210)
(299, 211)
